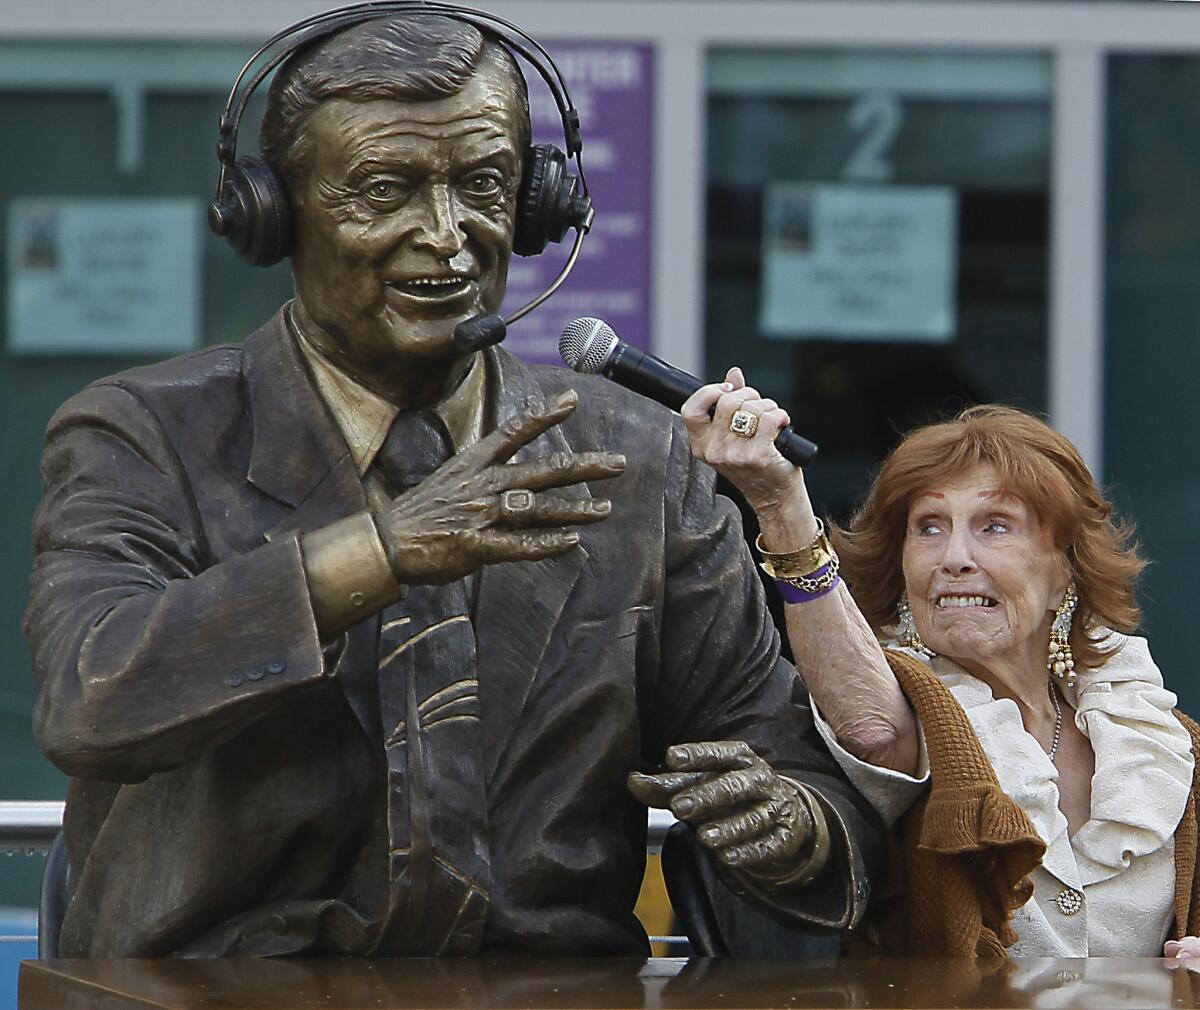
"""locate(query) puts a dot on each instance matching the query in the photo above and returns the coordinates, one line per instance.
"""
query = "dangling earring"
(908, 628)
(1060, 662)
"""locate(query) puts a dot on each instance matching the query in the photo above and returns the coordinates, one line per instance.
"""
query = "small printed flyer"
(103, 276)
(850, 262)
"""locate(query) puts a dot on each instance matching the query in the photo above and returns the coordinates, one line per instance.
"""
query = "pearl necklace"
(1057, 722)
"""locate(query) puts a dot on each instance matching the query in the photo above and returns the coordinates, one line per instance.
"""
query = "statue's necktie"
(439, 869)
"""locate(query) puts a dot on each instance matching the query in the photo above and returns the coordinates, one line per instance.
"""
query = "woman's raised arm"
(733, 428)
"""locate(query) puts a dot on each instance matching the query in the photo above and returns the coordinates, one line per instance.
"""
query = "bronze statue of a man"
(339, 647)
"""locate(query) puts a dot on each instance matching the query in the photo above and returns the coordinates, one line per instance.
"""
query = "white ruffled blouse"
(1109, 890)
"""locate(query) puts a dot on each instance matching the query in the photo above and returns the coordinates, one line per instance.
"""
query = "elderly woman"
(981, 686)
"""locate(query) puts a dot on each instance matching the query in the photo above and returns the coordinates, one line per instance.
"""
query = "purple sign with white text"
(612, 86)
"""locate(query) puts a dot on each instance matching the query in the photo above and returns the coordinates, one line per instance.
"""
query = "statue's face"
(404, 221)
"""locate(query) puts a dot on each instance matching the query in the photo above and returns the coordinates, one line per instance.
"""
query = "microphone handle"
(654, 378)
(634, 369)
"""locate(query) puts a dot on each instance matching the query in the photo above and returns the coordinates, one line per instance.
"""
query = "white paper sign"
(111, 276)
(849, 262)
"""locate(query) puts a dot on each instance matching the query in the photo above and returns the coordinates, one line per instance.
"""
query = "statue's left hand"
(750, 816)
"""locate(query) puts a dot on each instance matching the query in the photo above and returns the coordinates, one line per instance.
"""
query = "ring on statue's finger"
(516, 503)
(743, 423)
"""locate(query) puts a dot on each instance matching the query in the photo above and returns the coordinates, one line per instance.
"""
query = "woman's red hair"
(1036, 464)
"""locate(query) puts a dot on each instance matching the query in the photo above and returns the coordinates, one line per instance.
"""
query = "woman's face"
(982, 573)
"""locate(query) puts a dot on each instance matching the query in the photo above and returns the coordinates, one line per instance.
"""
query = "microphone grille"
(586, 344)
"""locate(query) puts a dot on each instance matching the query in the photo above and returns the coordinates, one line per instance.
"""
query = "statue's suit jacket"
(227, 766)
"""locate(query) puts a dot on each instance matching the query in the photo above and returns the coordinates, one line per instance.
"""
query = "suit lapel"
(519, 604)
(299, 458)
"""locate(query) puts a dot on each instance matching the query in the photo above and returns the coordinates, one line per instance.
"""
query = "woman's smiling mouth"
(965, 601)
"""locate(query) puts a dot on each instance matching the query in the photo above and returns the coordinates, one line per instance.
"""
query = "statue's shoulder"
(214, 363)
(194, 377)
(613, 418)
(210, 378)
(186, 387)
(598, 395)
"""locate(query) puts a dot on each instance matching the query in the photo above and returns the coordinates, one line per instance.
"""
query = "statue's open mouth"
(434, 289)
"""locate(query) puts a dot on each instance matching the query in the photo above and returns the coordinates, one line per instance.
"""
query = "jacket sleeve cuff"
(890, 792)
(348, 574)
(835, 900)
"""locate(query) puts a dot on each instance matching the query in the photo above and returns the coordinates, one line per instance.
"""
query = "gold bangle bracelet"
(799, 564)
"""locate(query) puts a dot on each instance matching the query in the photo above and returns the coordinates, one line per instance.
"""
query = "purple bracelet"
(792, 593)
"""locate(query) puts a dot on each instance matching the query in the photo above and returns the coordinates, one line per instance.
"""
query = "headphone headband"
(330, 22)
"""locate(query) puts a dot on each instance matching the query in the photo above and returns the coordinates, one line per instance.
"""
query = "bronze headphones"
(251, 209)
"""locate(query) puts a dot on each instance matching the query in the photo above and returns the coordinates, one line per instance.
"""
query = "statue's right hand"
(478, 509)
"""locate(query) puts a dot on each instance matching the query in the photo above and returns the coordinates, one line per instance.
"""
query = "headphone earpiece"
(253, 212)
(548, 202)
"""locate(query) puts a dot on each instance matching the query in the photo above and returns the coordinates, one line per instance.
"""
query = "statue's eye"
(483, 184)
(383, 191)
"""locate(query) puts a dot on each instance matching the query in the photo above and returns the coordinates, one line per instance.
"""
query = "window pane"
(950, 152)
(95, 123)
(1152, 354)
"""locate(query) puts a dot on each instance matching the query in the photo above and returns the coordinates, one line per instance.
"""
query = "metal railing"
(29, 826)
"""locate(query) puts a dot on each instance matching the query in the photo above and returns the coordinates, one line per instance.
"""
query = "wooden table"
(599, 984)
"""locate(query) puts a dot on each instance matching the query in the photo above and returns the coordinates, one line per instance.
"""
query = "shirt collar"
(1144, 765)
(363, 417)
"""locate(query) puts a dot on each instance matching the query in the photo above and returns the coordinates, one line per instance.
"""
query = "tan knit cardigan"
(962, 855)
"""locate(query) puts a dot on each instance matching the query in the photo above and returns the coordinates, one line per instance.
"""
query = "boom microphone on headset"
(590, 346)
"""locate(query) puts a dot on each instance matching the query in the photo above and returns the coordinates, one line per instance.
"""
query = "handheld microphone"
(590, 346)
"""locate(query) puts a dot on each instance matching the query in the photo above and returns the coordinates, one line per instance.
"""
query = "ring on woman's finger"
(743, 423)
(516, 503)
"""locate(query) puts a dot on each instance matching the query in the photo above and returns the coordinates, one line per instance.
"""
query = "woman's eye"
(928, 529)
(996, 526)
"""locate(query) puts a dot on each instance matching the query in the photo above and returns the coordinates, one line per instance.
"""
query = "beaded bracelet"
(827, 581)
